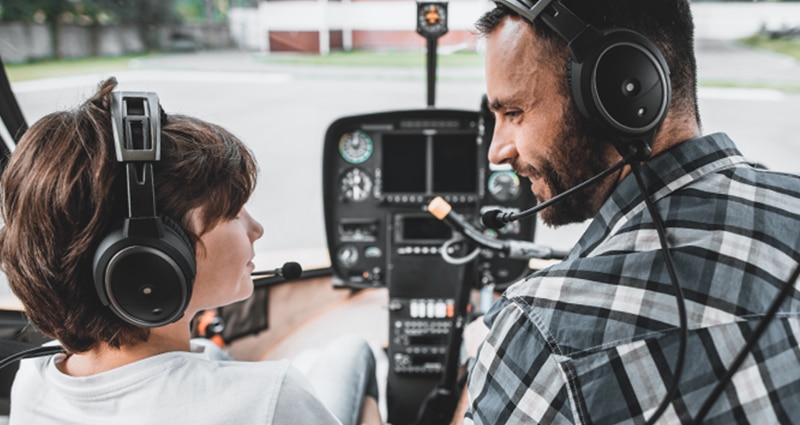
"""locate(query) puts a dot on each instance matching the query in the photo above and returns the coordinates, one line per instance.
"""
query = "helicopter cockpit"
(391, 194)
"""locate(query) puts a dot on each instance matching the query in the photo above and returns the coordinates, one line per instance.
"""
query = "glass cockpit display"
(404, 163)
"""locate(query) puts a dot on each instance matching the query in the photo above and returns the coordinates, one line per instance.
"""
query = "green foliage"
(153, 12)
(789, 46)
(19, 10)
(62, 68)
(29, 10)
(191, 10)
(141, 12)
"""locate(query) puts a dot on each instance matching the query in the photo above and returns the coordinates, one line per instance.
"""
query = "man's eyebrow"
(496, 105)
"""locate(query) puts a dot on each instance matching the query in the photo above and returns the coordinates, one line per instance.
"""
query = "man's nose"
(502, 150)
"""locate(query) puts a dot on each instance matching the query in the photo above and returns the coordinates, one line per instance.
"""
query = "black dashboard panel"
(379, 172)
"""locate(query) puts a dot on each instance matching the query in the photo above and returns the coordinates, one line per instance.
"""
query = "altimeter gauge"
(356, 185)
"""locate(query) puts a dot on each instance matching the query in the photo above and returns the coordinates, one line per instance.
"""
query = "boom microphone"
(290, 270)
(513, 249)
(495, 219)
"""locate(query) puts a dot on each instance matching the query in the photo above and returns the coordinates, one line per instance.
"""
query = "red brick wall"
(308, 41)
(407, 40)
(301, 41)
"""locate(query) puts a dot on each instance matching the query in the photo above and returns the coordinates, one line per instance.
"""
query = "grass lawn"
(401, 59)
(62, 68)
(784, 45)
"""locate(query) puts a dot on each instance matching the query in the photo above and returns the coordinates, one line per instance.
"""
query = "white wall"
(320, 15)
(736, 20)
(249, 26)
(361, 15)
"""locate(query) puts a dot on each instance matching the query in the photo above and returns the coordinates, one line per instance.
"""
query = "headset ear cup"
(173, 226)
(575, 84)
(623, 84)
(146, 281)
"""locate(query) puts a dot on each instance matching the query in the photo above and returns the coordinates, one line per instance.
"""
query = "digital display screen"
(404, 163)
(427, 340)
(449, 166)
(416, 228)
(455, 163)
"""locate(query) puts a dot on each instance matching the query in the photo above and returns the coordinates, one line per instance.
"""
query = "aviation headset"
(618, 78)
(143, 270)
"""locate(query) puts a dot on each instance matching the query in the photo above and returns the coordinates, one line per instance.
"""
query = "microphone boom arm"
(513, 249)
(495, 219)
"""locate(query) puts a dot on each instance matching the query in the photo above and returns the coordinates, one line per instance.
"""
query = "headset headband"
(136, 126)
(578, 34)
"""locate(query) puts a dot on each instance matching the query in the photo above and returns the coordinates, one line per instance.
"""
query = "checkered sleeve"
(515, 374)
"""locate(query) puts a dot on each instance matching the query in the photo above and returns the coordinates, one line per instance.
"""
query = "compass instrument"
(432, 19)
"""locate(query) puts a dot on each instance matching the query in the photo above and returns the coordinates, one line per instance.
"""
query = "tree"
(53, 11)
(17, 10)
(146, 15)
(28, 10)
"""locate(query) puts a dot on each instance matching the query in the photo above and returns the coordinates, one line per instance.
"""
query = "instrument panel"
(379, 172)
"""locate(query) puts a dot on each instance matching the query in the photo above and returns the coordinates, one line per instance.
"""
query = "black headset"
(618, 78)
(143, 270)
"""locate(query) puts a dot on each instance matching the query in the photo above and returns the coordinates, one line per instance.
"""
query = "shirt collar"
(663, 174)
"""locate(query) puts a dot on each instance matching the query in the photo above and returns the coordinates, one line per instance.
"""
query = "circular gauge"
(347, 256)
(356, 185)
(504, 185)
(355, 147)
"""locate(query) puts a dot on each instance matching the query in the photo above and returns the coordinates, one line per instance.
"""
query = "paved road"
(282, 112)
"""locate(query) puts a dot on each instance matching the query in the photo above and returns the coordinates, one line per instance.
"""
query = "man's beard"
(578, 156)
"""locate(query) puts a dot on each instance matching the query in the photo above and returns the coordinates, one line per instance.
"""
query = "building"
(321, 26)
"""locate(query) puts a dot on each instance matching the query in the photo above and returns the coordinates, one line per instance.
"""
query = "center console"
(379, 173)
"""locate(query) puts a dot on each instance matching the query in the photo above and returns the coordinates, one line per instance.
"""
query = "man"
(595, 338)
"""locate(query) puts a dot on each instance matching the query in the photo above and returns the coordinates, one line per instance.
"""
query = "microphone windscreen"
(491, 219)
(291, 270)
(439, 208)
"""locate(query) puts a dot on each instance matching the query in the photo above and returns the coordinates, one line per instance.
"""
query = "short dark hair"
(63, 191)
(666, 23)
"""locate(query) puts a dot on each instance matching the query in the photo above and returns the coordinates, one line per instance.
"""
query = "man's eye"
(512, 114)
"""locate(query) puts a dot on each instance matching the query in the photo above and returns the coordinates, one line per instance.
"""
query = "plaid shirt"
(594, 339)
